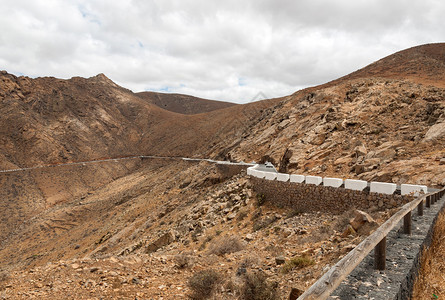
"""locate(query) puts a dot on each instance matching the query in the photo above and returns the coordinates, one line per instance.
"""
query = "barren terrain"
(144, 228)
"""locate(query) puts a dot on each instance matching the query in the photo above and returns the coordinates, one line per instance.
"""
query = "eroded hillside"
(143, 228)
(372, 129)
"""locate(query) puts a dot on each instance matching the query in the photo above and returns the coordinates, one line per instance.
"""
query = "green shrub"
(260, 199)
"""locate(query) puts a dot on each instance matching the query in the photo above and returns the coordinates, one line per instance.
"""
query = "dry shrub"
(297, 263)
(182, 261)
(255, 286)
(226, 244)
(203, 284)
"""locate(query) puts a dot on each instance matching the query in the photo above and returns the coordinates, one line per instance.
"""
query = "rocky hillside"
(146, 228)
(183, 104)
(49, 120)
(378, 123)
(421, 64)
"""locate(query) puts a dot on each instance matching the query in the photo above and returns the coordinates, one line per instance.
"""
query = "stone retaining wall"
(406, 287)
(229, 170)
(310, 198)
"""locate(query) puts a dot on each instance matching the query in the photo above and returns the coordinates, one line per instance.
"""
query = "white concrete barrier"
(356, 185)
(383, 187)
(260, 174)
(317, 180)
(271, 175)
(282, 177)
(250, 171)
(334, 182)
(296, 178)
(407, 189)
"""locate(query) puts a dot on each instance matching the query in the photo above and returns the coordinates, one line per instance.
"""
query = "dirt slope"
(183, 104)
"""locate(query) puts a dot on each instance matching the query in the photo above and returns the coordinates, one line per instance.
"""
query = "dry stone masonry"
(314, 193)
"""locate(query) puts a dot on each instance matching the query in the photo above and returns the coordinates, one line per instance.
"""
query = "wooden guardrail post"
(407, 223)
(380, 255)
(420, 209)
(428, 201)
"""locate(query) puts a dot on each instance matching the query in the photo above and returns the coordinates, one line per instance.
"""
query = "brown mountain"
(383, 122)
(183, 104)
(423, 64)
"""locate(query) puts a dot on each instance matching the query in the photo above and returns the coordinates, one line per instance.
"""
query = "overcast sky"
(224, 50)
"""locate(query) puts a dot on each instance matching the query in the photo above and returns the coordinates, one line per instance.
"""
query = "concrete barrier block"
(383, 187)
(317, 180)
(296, 178)
(271, 175)
(334, 182)
(407, 189)
(282, 177)
(356, 185)
(260, 174)
(250, 171)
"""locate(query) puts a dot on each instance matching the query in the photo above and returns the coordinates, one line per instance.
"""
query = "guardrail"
(323, 288)
(350, 184)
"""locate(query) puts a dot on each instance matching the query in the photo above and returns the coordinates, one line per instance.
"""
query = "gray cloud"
(227, 50)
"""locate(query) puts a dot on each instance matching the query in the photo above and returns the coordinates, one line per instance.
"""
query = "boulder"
(360, 219)
(162, 241)
(436, 131)
(280, 260)
(360, 150)
(348, 231)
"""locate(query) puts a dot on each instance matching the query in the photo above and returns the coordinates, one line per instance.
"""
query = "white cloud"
(227, 50)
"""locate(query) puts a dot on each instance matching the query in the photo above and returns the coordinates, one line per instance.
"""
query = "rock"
(135, 280)
(442, 161)
(359, 169)
(231, 216)
(318, 139)
(279, 260)
(360, 219)
(75, 266)
(360, 150)
(348, 231)
(343, 161)
(436, 131)
(350, 247)
(249, 237)
(162, 241)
